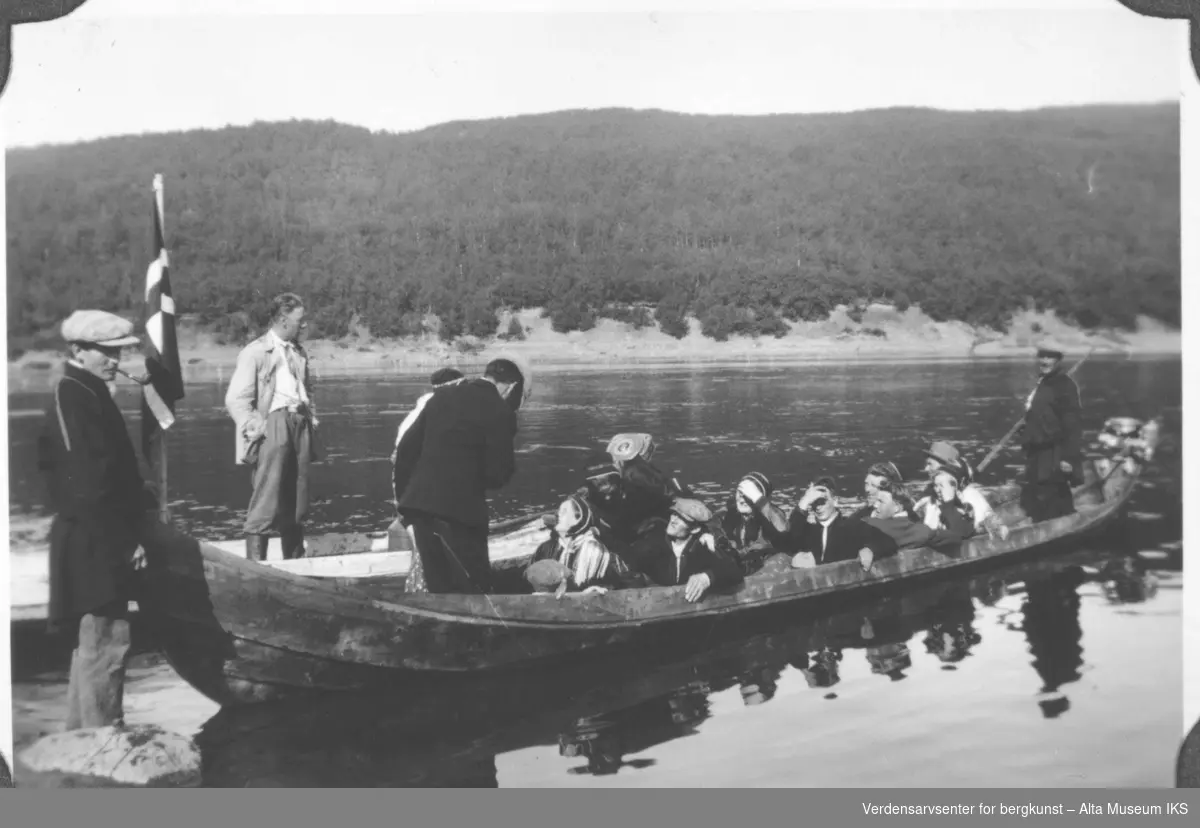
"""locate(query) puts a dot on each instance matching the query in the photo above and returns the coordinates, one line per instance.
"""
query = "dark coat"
(1053, 430)
(656, 558)
(846, 537)
(460, 447)
(96, 493)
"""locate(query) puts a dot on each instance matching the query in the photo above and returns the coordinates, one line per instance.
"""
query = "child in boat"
(754, 526)
(688, 552)
(942, 456)
(584, 564)
(945, 510)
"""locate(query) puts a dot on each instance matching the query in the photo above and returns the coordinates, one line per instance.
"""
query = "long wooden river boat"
(243, 632)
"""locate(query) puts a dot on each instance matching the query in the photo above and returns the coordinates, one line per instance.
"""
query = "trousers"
(280, 499)
(96, 688)
(454, 557)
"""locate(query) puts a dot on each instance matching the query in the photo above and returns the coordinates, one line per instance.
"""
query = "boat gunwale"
(717, 604)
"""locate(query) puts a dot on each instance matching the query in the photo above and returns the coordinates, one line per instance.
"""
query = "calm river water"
(1061, 674)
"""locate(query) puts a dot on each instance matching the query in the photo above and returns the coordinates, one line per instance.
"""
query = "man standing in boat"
(101, 507)
(270, 401)
(1052, 436)
(458, 448)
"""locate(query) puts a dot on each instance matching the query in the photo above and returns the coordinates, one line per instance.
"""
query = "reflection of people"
(890, 660)
(99, 503)
(606, 740)
(951, 643)
(1052, 436)
(459, 447)
(270, 401)
(758, 686)
(1052, 630)
(820, 669)
(1126, 581)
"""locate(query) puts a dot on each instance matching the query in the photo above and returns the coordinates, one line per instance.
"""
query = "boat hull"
(241, 632)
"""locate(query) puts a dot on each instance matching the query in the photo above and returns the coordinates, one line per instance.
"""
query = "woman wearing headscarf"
(943, 457)
(575, 559)
(754, 526)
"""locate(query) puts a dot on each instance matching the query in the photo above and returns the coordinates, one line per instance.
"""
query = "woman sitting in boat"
(946, 511)
(942, 456)
(574, 558)
(819, 534)
(754, 527)
(688, 552)
(634, 501)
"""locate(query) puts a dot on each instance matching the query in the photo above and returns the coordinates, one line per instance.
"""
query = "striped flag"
(165, 387)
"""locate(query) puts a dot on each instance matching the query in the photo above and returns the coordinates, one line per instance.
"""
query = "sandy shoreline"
(882, 335)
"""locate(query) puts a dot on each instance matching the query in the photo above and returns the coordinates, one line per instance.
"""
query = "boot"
(293, 543)
(256, 547)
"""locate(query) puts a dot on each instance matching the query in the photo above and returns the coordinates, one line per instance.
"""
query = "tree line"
(645, 216)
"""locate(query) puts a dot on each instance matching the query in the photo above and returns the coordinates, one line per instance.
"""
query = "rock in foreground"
(137, 756)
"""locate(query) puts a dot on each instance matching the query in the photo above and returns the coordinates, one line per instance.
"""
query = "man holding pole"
(270, 401)
(1052, 436)
(101, 509)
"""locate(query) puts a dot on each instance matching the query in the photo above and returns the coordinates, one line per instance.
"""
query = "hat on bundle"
(755, 481)
(95, 327)
(692, 511)
(443, 376)
(574, 517)
(1050, 347)
(626, 446)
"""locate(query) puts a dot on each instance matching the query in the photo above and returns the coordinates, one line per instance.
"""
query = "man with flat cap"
(457, 448)
(1052, 437)
(100, 505)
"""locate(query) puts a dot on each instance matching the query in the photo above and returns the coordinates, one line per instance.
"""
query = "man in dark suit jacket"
(819, 534)
(459, 447)
(1052, 436)
(100, 506)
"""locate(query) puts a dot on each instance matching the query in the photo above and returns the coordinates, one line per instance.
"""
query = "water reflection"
(607, 716)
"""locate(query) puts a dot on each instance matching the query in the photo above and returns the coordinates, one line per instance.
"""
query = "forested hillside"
(739, 221)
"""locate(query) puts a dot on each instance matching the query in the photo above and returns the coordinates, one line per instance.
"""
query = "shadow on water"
(447, 732)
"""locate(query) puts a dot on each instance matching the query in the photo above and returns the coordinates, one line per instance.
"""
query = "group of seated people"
(637, 527)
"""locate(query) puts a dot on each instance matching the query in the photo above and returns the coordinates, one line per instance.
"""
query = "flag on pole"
(165, 387)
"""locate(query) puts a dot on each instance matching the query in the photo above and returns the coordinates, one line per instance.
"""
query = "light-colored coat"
(251, 389)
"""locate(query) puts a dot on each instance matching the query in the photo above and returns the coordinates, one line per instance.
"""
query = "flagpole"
(159, 438)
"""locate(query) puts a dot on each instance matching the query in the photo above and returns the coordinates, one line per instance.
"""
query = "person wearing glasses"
(820, 534)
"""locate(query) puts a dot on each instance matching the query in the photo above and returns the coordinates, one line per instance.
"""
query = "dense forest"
(646, 216)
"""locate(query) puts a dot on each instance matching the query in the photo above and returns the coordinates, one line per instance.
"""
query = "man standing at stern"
(1052, 436)
(458, 447)
(101, 507)
(270, 401)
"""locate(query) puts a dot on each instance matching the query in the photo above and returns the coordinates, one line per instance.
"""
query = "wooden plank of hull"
(332, 621)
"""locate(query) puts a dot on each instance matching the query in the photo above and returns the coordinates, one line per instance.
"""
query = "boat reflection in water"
(447, 732)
